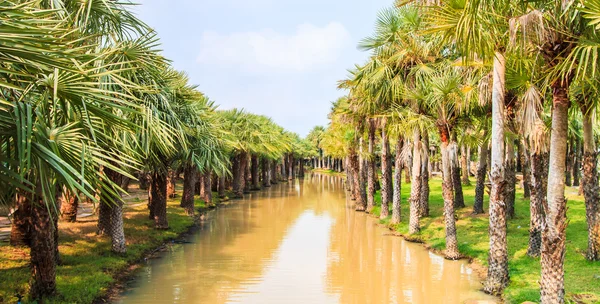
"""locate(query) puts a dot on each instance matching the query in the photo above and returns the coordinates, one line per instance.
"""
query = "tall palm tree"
(54, 111)
(443, 102)
(560, 34)
(479, 28)
(586, 98)
(315, 136)
(398, 47)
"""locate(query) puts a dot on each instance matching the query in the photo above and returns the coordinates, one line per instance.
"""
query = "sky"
(280, 58)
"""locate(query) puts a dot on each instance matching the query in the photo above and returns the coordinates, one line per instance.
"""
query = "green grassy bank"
(582, 278)
(88, 267)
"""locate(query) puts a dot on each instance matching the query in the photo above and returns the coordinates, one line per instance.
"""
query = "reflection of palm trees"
(233, 249)
(239, 244)
(364, 266)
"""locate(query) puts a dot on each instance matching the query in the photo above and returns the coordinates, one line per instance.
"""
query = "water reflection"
(300, 243)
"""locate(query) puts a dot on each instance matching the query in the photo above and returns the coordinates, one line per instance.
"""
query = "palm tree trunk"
(126, 181)
(415, 189)
(497, 276)
(407, 170)
(171, 177)
(301, 168)
(362, 177)
(480, 185)
(290, 169)
(68, 207)
(591, 189)
(386, 171)
(350, 178)
(150, 208)
(510, 178)
(222, 186)
(214, 182)
(569, 164)
(555, 223)
(255, 170)
(207, 195)
(43, 251)
(117, 229)
(525, 169)
(103, 227)
(371, 167)
(190, 175)
(577, 163)
(397, 200)
(235, 171)
(20, 232)
(158, 188)
(464, 165)
(247, 174)
(361, 204)
(238, 175)
(200, 190)
(282, 175)
(274, 180)
(424, 199)
(376, 181)
(266, 172)
(144, 179)
(447, 186)
(114, 202)
(54, 218)
(459, 198)
(539, 180)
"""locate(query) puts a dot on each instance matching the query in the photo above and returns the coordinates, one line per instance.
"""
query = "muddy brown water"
(300, 243)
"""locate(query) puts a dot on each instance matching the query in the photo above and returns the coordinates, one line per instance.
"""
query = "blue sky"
(280, 58)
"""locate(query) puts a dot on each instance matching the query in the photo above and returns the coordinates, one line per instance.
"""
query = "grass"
(88, 267)
(582, 278)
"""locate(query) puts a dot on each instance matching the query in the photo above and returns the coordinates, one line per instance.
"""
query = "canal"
(300, 242)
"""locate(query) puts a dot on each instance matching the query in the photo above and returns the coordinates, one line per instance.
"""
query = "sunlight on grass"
(88, 266)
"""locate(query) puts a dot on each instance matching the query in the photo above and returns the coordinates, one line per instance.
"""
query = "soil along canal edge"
(89, 272)
(581, 276)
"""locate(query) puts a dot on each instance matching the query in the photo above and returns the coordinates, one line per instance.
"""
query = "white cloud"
(309, 47)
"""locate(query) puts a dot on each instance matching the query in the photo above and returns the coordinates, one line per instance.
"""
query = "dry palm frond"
(531, 26)
(539, 137)
(531, 106)
(485, 90)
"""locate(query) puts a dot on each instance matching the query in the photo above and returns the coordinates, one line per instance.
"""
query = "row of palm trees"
(516, 80)
(88, 103)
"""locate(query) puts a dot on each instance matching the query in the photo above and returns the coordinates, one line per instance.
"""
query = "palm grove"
(510, 83)
(88, 103)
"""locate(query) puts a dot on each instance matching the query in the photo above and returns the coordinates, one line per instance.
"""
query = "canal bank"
(581, 276)
(89, 272)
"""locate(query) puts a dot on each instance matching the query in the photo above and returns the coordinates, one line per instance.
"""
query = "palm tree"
(52, 93)
(443, 101)
(398, 47)
(315, 136)
(478, 28)
(561, 35)
(586, 98)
